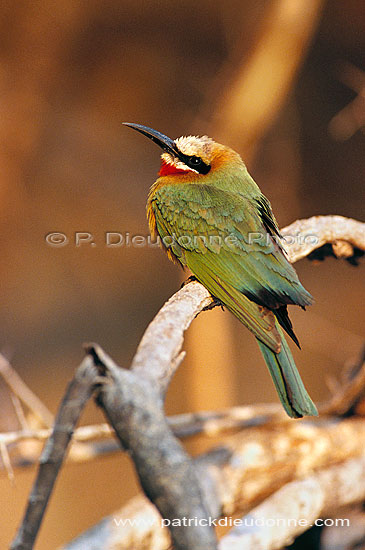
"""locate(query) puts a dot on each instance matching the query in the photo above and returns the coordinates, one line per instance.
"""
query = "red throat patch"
(169, 169)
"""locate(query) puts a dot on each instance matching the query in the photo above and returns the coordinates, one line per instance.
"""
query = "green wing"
(223, 239)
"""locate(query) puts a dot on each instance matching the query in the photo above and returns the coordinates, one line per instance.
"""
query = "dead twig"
(348, 392)
(24, 393)
(6, 461)
(209, 423)
(352, 117)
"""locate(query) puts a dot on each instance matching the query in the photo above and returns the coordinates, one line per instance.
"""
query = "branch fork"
(215, 483)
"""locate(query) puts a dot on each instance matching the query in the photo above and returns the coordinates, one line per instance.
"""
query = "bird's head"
(188, 155)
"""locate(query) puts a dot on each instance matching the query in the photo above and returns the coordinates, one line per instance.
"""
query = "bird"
(211, 217)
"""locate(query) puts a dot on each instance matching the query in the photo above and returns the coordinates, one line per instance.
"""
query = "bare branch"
(352, 117)
(348, 392)
(25, 394)
(304, 236)
(209, 423)
(19, 411)
(134, 408)
(167, 328)
(77, 394)
(133, 402)
(245, 469)
(303, 502)
(213, 423)
(6, 461)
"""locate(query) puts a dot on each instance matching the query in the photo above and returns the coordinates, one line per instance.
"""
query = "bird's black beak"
(166, 143)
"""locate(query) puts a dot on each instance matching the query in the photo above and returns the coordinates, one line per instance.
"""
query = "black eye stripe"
(195, 162)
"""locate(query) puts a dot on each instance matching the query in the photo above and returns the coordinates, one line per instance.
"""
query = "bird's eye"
(195, 161)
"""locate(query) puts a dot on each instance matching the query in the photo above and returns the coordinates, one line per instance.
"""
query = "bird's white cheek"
(169, 159)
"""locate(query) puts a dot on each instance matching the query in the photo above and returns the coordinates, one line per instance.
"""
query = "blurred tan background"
(70, 73)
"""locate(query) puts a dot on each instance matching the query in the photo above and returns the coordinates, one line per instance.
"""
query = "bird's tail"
(287, 381)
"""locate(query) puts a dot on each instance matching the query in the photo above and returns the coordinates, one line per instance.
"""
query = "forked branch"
(133, 403)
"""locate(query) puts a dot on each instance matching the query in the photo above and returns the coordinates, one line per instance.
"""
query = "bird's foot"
(215, 302)
(190, 279)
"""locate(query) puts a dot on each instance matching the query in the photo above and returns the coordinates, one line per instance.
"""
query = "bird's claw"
(190, 279)
(214, 303)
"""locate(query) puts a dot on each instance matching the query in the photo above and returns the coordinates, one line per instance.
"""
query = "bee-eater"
(213, 219)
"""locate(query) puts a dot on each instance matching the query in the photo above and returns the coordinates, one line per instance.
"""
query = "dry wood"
(303, 503)
(349, 392)
(300, 239)
(168, 328)
(134, 408)
(304, 236)
(133, 405)
(246, 469)
(76, 396)
(209, 423)
(24, 393)
(241, 472)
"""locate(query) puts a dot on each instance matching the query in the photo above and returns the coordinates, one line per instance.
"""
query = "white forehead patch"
(194, 145)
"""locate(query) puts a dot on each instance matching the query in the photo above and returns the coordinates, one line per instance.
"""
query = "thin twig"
(352, 117)
(6, 461)
(210, 423)
(25, 394)
(19, 411)
(348, 392)
(83, 433)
